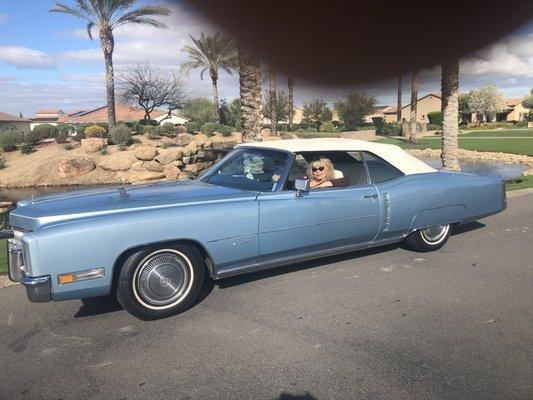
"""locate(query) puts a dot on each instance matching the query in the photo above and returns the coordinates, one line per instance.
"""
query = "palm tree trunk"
(399, 107)
(215, 97)
(250, 90)
(290, 84)
(414, 100)
(108, 44)
(450, 115)
(273, 103)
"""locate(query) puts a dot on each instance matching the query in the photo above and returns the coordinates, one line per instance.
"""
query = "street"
(385, 323)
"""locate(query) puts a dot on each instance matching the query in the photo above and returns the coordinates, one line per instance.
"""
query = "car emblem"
(164, 281)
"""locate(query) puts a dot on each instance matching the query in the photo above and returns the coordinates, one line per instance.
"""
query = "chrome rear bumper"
(38, 288)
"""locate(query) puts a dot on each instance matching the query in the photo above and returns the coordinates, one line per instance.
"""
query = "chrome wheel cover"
(163, 279)
(434, 234)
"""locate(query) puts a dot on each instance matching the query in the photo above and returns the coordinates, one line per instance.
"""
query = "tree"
(211, 53)
(399, 107)
(273, 102)
(230, 113)
(108, 15)
(464, 110)
(250, 90)
(414, 103)
(450, 115)
(487, 101)
(354, 108)
(199, 110)
(151, 87)
(528, 101)
(282, 106)
(290, 85)
(316, 112)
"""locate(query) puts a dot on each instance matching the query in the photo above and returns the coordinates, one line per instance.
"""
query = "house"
(7, 121)
(514, 112)
(123, 113)
(386, 112)
(425, 105)
(46, 116)
(162, 118)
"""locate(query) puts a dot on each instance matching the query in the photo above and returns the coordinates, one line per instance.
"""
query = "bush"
(121, 136)
(435, 118)
(192, 126)
(44, 131)
(210, 127)
(62, 137)
(328, 127)
(10, 139)
(79, 132)
(391, 129)
(33, 137)
(521, 124)
(379, 123)
(94, 131)
(65, 129)
(167, 129)
(26, 148)
(432, 127)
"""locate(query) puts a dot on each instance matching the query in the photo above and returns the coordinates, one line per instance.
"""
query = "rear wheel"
(159, 282)
(428, 239)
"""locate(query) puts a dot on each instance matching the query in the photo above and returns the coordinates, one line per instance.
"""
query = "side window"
(379, 169)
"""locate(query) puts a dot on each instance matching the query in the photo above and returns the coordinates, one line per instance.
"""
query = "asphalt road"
(380, 324)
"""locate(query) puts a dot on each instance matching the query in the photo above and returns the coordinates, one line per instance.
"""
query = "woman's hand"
(315, 184)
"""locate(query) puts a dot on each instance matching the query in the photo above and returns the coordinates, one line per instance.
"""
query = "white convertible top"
(389, 152)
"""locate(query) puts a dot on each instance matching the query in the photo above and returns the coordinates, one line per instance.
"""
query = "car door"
(320, 221)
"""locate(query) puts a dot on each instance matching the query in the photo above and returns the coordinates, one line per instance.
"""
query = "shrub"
(79, 132)
(94, 131)
(33, 137)
(10, 139)
(192, 126)
(65, 129)
(167, 129)
(521, 124)
(2, 163)
(121, 136)
(226, 130)
(433, 127)
(62, 137)
(210, 127)
(435, 118)
(26, 148)
(44, 131)
(328, 127)
(391, 129)
(379, 123)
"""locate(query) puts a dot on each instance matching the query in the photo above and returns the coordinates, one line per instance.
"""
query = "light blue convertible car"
(152, 245)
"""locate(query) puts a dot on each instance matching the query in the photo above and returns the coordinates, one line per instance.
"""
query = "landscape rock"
(168, 155)
(145, 153)
(193, 168)
(185, 175)
(180, 129)
(119, 161)
(178, 163)
(139, 176)
(92, 145)
(171, 172)
(137, 166)
(183, 139)
(153, 166)
(72, 166)
(287, 135)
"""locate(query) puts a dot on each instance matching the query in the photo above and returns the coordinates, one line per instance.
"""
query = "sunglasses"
(314, 169)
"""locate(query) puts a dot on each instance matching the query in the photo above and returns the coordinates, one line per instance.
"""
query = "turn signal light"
(80, 276)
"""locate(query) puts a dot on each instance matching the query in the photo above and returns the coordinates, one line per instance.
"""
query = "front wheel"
(162, 281)
(428, 239)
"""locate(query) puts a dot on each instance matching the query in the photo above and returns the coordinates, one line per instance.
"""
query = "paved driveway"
(380, 324)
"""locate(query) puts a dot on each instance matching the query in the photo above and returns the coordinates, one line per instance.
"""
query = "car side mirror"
(301, 185)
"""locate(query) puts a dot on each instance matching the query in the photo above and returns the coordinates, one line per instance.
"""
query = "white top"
(389, 152)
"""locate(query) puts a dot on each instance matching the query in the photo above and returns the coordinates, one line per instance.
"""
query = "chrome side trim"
(256, 267)
(34, 281)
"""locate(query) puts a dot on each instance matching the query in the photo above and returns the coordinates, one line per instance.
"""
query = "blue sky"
(47, 60)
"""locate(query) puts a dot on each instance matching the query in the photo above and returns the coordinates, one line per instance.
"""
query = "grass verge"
(3, 256)
(522, 182)
(517, 132)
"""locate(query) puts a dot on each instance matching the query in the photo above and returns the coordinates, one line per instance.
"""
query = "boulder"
(180, 129)
(92, 145)
(178, 163)
(153, 166)
(139, 176)
(72, 166)
(286, 136)
(119, 161)
(193, 168)
(137, 166)
(183, 139)
(145, 153)
(171, 172)
(185, 175)
(266, 132)
(168, 155)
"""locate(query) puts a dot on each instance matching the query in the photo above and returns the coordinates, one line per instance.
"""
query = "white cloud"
(26, 58)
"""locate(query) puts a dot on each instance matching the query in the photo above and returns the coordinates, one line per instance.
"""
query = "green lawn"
(519, 183)
(3, 256)
(515, 146)
(517, 132)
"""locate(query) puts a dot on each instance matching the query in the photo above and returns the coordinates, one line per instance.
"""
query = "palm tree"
(450, 114)
(399, 107)
(108, 15)
(211, 53)
(414, 100)
(273, 95)
(250, 89)
(290, 84)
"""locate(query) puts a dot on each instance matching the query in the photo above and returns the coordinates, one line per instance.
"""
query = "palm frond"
(89, 27)
(143, 15)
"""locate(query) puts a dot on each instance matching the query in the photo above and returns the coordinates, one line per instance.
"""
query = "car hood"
(42, 211)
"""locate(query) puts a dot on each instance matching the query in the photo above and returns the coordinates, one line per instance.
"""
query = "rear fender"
(439, 216)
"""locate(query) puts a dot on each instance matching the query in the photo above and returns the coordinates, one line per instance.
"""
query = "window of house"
(379, 169)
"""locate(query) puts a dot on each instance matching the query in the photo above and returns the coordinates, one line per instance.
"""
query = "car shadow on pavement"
(470, 226)
(288, 396)
(97, 306)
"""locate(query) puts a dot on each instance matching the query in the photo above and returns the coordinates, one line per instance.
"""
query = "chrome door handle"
(371, 196)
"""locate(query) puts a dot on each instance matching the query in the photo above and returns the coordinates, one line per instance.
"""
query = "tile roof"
(49, 111)
(514, 102)
(4, 117)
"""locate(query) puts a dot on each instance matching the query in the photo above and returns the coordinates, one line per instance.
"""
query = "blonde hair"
(329, 171)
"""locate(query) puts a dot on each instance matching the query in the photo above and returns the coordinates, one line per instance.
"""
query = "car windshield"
(249, 169)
